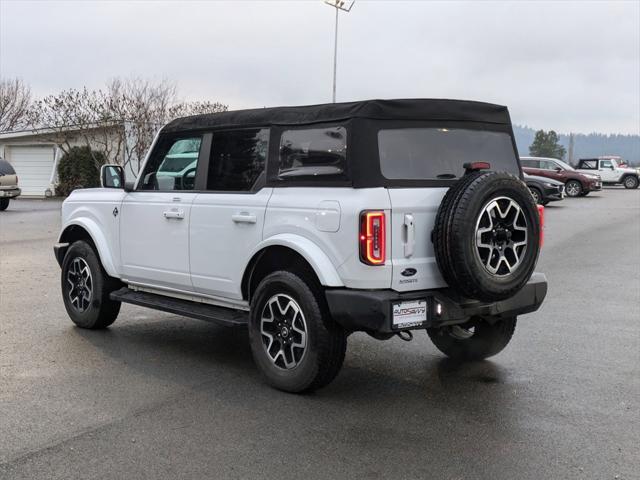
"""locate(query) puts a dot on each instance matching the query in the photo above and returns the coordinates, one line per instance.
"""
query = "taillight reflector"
(541, 215)
(372, 237)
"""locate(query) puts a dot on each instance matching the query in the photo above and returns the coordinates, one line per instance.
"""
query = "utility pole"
(345, 6)
(570, 149)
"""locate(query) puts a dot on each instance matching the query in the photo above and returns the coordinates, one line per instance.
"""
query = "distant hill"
(590, 145)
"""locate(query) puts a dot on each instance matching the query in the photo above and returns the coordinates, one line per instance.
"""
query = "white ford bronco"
(306, 224)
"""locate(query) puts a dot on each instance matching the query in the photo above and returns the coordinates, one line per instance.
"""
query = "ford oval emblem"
(408, 272)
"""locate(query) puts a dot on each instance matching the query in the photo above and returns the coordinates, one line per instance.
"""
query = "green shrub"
(78, 169)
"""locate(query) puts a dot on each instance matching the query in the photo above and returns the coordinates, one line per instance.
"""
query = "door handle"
(177, 214)
(410, 235)
(244, 218)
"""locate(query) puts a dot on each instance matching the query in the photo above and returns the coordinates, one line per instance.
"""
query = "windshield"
(564, 165)
(440, 153)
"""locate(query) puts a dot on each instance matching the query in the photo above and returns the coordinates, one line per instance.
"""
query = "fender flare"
(314, 255)
(99, 240)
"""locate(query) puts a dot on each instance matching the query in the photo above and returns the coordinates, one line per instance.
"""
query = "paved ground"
(157, 396)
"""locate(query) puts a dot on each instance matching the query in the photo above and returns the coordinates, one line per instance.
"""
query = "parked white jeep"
(309, 223)
(611, 171)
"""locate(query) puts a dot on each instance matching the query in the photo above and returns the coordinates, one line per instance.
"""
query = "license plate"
(412, 313)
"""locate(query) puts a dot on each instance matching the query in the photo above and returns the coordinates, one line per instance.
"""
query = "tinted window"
(172, 165)
(530, 163)
(439, 153)
(312, 152)
(237, 159)
(6, 168)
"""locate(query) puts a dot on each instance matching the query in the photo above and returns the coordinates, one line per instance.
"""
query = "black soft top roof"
(402, 109)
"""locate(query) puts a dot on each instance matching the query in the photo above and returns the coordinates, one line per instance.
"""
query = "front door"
(227, 220)
(607, 171)
(154, 223)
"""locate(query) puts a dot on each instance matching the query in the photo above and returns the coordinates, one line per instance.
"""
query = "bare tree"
(15, 103)
(120, 121)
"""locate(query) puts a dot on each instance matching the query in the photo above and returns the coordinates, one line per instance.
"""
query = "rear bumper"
(10, 192)
(371, 310)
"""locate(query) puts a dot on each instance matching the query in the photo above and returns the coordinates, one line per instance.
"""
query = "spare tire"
(486, 235)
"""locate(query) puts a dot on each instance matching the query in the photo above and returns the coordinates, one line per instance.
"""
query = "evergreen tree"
(546, 145)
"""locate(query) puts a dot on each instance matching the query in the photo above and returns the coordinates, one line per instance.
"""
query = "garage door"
(34, 165)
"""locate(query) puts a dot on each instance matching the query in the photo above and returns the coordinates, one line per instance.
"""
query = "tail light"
(541, 215)
(372, 237)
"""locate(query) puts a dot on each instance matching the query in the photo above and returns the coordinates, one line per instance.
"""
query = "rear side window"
(313, 152)
(440, 153)
(237, 159)
(6, 168)
(589, 164)
(530, 163)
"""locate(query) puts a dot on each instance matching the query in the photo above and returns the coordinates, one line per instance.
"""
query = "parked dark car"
(576, 184)
(544, 190)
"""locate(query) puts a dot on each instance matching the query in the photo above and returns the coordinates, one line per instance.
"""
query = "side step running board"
(200, 311)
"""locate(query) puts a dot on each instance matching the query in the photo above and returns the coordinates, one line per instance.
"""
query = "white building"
(35, 157)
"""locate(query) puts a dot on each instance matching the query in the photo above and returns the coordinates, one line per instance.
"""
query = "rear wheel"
(4, 203)
(295, 344)
(573, 188)
(630, 182)
(475, 340)
(86, 288)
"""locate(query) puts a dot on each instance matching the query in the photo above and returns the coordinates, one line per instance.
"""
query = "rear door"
(227, 220)
(435, 155)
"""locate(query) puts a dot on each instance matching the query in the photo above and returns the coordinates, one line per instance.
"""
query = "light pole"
(345, 6)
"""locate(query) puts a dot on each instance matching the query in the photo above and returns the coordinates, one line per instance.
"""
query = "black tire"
(537, 195)
(484, 339)
(95, 310)
(320, 361)
(4, 203)
(466, 266)
(573, 188)
(630, 182)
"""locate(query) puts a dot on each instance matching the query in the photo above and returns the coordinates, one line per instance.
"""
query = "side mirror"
(558, 169)
(112, 176)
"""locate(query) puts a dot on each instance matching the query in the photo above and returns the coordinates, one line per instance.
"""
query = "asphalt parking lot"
(157, 396)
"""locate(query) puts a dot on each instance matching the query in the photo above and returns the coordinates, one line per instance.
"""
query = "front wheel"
(86, 288)
(573, 188)
(295, 344)
(475, 340)
(4, 203)
(630, 182)
(537, 195)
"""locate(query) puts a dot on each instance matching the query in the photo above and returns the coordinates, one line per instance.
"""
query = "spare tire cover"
(487, 235)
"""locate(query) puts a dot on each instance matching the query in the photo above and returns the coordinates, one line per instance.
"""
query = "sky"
(570, 66)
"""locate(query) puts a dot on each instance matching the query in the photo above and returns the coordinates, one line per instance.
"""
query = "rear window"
(439, 153)
(6, 168)
(312, 152)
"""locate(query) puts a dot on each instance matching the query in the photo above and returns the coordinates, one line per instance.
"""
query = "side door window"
(311, 152)
(173, 165)
(606, 165)
(238, 159)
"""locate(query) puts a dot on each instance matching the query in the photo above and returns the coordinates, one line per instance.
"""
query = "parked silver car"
(8, 184)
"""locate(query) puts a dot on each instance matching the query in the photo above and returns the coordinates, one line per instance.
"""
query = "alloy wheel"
(573, 189)
(80, 284)
(501, 236)
(284, 331)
